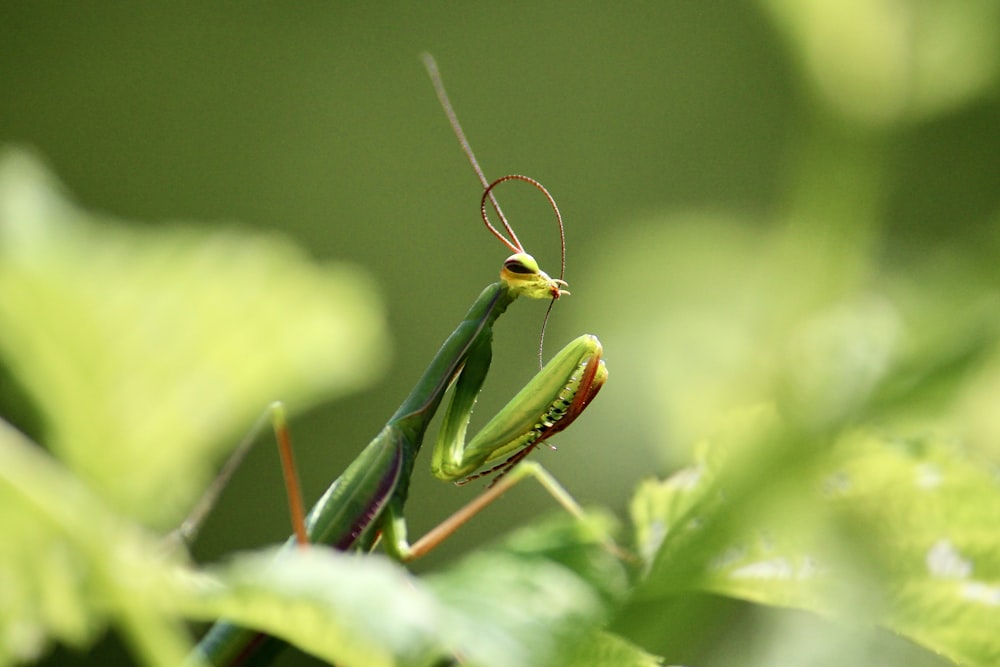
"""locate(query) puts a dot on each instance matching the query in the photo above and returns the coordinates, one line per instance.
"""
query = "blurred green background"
(871, 131)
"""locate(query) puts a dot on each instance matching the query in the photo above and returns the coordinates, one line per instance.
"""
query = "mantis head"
(523, 276)
(520, 271)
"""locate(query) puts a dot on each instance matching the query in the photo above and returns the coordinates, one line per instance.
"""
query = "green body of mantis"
(366, 501)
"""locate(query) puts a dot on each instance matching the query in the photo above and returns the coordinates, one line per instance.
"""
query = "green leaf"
(147, 350)
(348, 609)
(857, 58)
(603, 649)
(68, 565)
(895, 532)
(762, 354)
(506, 607)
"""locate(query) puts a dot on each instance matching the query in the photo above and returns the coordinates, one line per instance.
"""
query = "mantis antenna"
(518, 248)
(513, 242)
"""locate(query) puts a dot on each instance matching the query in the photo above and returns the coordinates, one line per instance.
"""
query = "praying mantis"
(365, 504)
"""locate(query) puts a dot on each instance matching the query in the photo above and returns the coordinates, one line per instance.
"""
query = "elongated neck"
(419, 407)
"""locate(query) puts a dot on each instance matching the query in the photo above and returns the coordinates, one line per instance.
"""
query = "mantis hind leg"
(275, 414)
(520, 472)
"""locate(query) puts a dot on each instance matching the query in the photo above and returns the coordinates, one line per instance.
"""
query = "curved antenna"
(516, 245)
(518, 248)
(432, 71)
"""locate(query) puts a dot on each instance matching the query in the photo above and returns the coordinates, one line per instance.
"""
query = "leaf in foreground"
(145, 348)
(68, 565)
(510, 607)
(144, 352)
(896, 532)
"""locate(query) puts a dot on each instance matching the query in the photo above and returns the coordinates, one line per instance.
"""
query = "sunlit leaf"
(744, 316)
(862, 57)
(69, 566)
(603, 649)
(348, 609)
(541, 593)
(511, 606)
(900, 533)
(148, 350)
(145, 352)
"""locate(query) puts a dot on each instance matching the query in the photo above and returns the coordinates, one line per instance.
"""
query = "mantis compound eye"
(521, 264)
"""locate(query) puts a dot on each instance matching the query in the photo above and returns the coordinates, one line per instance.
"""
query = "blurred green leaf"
(603, 649)
(881, 61)
(506, 607)
(811, 386)
(877, 530)
(148, 351)
(69, 565)
(733, 322)
(744, 316)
